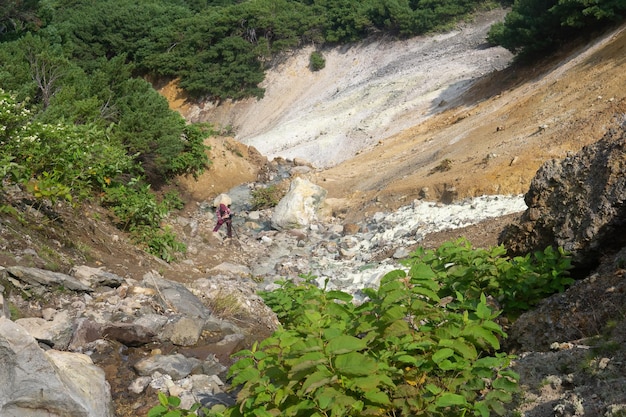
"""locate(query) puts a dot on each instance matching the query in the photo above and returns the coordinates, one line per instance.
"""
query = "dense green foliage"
(425, 343)
(129, 109)
(216, 49)
(56, 161)
(72, 162)
(515, 284)
(397, 353)
(219, 49)
(536, 27)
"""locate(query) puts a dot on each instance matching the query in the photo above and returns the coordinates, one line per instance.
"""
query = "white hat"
(222, 199)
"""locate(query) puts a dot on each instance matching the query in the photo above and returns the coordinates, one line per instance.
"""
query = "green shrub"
(317, 61)
(398, 353)
(516, 284)
(267, 197)
(56, 161)
(134, 205)
(159, 242)
(425, 343)
(65, 161)
(172, 201)
(138, 211)
(535, 27)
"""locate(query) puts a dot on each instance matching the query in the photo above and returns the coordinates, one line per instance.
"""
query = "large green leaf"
(449, 399)
(370, 382)
(339, 295)
(378, 397)
(482, 310)
(394, 313)
(425, 292)
(505, 384)
(396, 328)
(442, 354)
(306, 361)
(467, 350)
(422, 271)
(476, 331)
(316, 380)
(355, 364)
(344, 344)
(394, 297)
(246, 375)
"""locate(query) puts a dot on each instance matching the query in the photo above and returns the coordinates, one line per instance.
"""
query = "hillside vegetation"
(83, 65)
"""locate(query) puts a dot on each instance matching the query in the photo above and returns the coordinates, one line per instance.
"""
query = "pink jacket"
(222, 212)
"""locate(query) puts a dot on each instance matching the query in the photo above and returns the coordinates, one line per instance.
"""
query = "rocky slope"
(481, 127)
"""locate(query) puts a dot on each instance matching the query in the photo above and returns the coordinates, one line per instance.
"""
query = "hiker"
(224, 215)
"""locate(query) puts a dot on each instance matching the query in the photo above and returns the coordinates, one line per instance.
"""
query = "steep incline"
(436, 116)
(502, 130)
(366, 92)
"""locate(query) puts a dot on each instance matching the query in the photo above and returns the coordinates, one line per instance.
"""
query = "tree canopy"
(535, 27)
(86, 62)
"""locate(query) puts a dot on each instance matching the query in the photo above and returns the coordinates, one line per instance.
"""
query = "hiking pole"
(232, 226)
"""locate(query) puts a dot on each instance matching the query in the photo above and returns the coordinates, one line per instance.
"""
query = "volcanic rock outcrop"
(577, 204)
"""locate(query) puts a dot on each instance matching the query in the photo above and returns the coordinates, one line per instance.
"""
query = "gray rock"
(215, 325)
(129, 334)
(212, 366)
(52, 383)
(231, 343)
(96, 277)
(41, 280)
(56, 333)
(183, 331)
(177, 366)
(153, 322)
(230, 269)
(176, 297)
(85, 331)
(139, 384)
(298, 208)
(577, 204)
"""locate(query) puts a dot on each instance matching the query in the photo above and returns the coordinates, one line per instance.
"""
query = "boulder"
(129, 334)
(95, 277)
(41, 281)
(183, 331)
(576, 204)
(298, 208)
(176, 297)
(56, 332)
(85, 331)
(51, 383)
(177, 366)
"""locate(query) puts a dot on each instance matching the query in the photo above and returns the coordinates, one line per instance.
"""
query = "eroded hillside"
(485, 138)
(501, 132)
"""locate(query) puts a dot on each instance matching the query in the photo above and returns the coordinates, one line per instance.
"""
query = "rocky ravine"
(149, 332)
(153, 326)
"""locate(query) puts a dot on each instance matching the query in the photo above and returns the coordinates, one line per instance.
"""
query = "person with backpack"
(224, 215)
